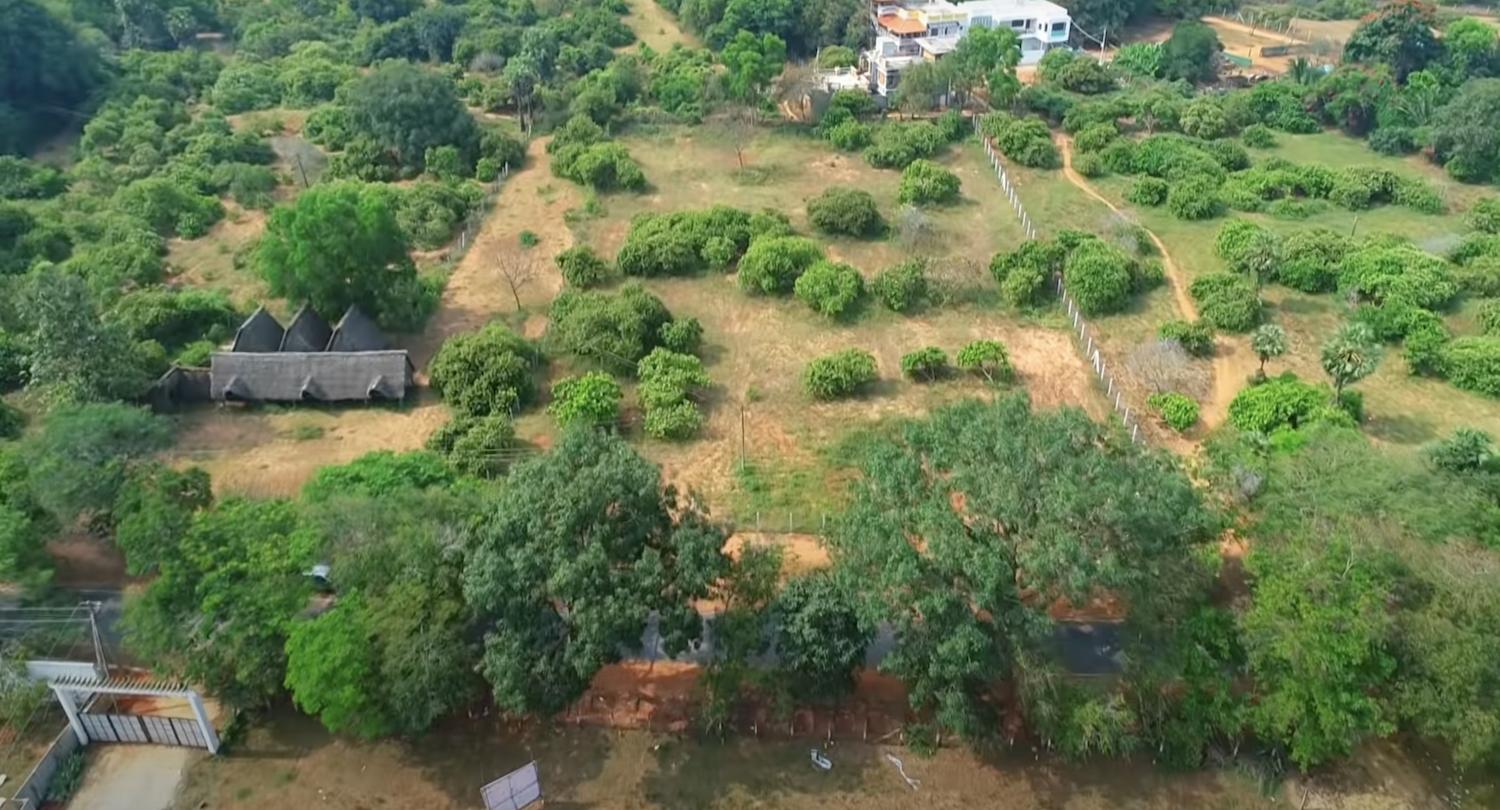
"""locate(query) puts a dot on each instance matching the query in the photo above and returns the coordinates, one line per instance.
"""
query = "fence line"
(1082, 333)
(475, 220)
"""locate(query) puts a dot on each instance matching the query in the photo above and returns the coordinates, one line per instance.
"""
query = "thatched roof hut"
(310, 376)
(307, 333)
(260, 332)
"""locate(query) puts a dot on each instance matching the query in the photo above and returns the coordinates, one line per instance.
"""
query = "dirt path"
(532, 200)
(1228, 355)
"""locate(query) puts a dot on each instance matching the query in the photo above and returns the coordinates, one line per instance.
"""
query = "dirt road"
(133, 777)
(1230, 358)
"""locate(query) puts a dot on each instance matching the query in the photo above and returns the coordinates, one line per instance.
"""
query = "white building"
(908, 32)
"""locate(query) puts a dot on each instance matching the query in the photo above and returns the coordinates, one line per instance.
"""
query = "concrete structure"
(909, 32)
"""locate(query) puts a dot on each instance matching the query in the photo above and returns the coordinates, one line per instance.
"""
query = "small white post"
(1117, 401)
(1134, 429)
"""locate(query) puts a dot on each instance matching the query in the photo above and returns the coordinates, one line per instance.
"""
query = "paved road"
(132, 777)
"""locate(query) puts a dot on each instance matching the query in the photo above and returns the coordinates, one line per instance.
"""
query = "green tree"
(377, 473)
(820, 637)
(84, 454)
(1316, 637)
(752, 62)
(956, 516)
(222, 603)
(831, 289)
(1350, 355)
(408, 110)
(154, 510)
(485, 372)
(1466, 132)
(74, 356)
(1399, 36)
(46, 72)
(1267, 341)
(1191, 53)
(339, 245)
(591, 399)
(570, 560)
(988, 359)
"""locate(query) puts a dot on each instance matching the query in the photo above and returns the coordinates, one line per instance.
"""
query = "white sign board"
(513, 791)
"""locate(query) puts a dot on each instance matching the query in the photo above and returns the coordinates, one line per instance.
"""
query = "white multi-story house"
(908, 32)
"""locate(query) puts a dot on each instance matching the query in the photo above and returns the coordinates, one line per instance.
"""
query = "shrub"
(1203, 117)
(475, 445)
(1489, 318)
(903, 287)
(429, 213)
(614, 331)
(839, 375)
(668, 382)
(1283, 401)
(1310, 259)
(1023, 274)
(1226, 301)
(583, 268)
(1394, 141)
(830, 288)
(850, 136)
(1484, 216)
(846, 211)
(925, 365)
(685, 242)
(484, 372)
(591, 399)
(12, 421)
(1473, 364)
(1466, 451)
(1197, 338)
(1150, 191)
(1178, 411)
(987, 359)
(1385, 271)
(1258, 136)
(1195, 197)
(1090, 165)
(894, 146)
(684, 335)
(1095, 137)
(926, 183)
(772, 265)
(1098, 276)
(1423, 345)
(1480, 277)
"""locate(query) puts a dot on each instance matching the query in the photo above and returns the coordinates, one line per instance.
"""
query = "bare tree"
(1161, 364)
(518, 269)
(743, 122)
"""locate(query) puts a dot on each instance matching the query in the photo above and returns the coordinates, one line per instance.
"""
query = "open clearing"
(292, 762)
(655, 27)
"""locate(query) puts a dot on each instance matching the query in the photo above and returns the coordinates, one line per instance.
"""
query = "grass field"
(655, 26)
(1401, 409)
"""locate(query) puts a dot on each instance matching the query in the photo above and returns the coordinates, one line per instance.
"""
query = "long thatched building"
(306, 361)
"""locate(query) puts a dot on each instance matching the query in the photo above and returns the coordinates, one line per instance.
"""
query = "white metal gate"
(135, 728)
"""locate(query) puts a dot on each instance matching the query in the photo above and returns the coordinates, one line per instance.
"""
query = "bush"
(476, 445)
(685, 242)
(1489, 318)
(1226, 301)
(1480, 277)
(1095, 137)
(1484, 216)
(484, 372)
(583, 268)
(846, 211)
(850, 136)
(1310, 259)
(1195, 197)
(592, 399)
(1258, 136)
(1423, 345)
(903, 287)
(1099, 277)
(1178, 411)
(1151, 191)
(1466, 451)
(614, 331)
(839, 375)
(1197, 338)
(926, 183)
(1473, 364)
(1090, 165)
(684, 335)
(1027, 141)
(772, 265)
(925, 365)
(15, 362)
(430, 213)
(1394, 141)
(987, 359)
(894, 146)
(1385, 271)
(1283, 401)
(1203, 117)
(12, 421)
(669, 380)
(830, 288)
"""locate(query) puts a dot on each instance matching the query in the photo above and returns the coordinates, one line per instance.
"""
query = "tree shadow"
(461, 754)
(696, 773)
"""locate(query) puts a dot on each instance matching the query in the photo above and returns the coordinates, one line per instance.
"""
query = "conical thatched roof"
(307, 333)
(260, 332)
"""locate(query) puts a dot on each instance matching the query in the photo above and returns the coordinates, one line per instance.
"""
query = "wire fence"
(457, 250)
(1083, 334)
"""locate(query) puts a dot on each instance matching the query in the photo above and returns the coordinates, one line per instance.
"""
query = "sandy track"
(1230, 358)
